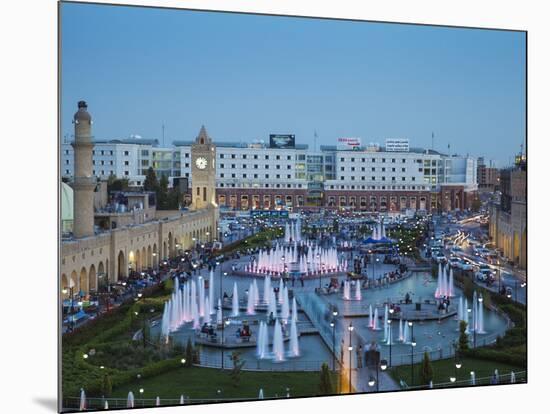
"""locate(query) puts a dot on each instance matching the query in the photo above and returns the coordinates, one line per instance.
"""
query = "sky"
(247, 76)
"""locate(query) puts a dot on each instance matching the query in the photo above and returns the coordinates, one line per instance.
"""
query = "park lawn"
(199, 383)
(445, 368)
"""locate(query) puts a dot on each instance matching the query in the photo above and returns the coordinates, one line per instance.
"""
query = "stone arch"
(102, 279)
(92, 278)
(64, 284)
(83, 280)
(170, 245)
(73, 282)
(143, 258)
(155, 254)
(137, 255)
(149, 256)
(107, 275)
(164, 251)
(131, 262)
(121, 265)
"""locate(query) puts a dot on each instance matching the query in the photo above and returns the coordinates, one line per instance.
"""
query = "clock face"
(201, 163)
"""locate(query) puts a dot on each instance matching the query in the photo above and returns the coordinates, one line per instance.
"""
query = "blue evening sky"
(246, 76)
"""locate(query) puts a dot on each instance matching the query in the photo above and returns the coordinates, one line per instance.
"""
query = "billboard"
(282, 141)
(348, 143)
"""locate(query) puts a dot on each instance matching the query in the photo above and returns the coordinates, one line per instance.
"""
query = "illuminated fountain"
(278, 344)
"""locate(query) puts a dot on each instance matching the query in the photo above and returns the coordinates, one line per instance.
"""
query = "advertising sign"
(348, 143)
(282, 141)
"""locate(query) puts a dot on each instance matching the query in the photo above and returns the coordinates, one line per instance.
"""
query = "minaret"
(84, 181)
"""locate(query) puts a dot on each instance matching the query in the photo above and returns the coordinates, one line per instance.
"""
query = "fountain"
(347, 293)
(211, 292)
(357, 290)
(235, 310)
(250, 302)
(472, 378)
(272, 306)
(406, 333)
(401, 333)
(389, 339)
(376, 326)
(512, 377)
(206, 317)
(450, 285)
(202, 309)
(278, 344)
(262, 341)
(267, 290)
(480, 323)
(386, 324)
(256, 294)
(294, 310)
(281, 288)
(285, 311)
(371, 321)
(294, 346)
(219, 318)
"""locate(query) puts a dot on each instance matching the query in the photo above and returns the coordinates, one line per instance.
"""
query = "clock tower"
(203, 171)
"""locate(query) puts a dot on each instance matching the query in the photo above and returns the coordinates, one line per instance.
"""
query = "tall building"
(508, 216)
(488, 177)
(283, 174)
(203, 161)
(109, 239)
(84, 181)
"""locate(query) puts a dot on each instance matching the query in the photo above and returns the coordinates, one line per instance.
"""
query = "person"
(225, 296)
(302, 280)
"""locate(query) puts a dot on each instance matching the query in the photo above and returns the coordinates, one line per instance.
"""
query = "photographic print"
(258, 207)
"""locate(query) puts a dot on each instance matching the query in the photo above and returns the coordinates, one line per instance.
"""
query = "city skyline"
(140, 72)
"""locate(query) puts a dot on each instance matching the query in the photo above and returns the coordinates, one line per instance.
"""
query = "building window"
(126, 153)
(232, 156)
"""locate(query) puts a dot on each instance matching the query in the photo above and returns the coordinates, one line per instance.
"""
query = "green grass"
(445, 368)
(203, 383)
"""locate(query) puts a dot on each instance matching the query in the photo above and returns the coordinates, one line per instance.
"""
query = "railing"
(214, 361)
(520, 377)
(74, 403)
(320, 316)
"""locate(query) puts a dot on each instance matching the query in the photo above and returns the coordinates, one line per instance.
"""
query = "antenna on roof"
(432, 141)
(163, 134)
(314, 140)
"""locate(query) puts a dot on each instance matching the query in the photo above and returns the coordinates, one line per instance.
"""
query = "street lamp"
(383, 366)
(333, 325)
(226, 322)
(390, 334)
(413, 344)
(350, 348)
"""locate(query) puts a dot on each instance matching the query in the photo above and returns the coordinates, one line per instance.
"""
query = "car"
(454, 262)
(439, 257)
(484, 275)
(456, 249)
(465, 265)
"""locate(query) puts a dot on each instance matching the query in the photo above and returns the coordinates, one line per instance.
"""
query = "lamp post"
(458, 364)
(499, 282)
(413, 344)
(223, 338)
(389, 334)
(382, 366)
(350, 348)
(333, 325)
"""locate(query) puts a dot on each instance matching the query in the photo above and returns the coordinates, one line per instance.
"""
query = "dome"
(82, 113)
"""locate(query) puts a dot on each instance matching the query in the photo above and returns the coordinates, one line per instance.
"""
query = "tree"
(463, 342)
(107, 385)
(189, 353)
(237, 367)
(325, 386)
(151, 182)
(426, 370)
(116, 184)
(476, 204)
